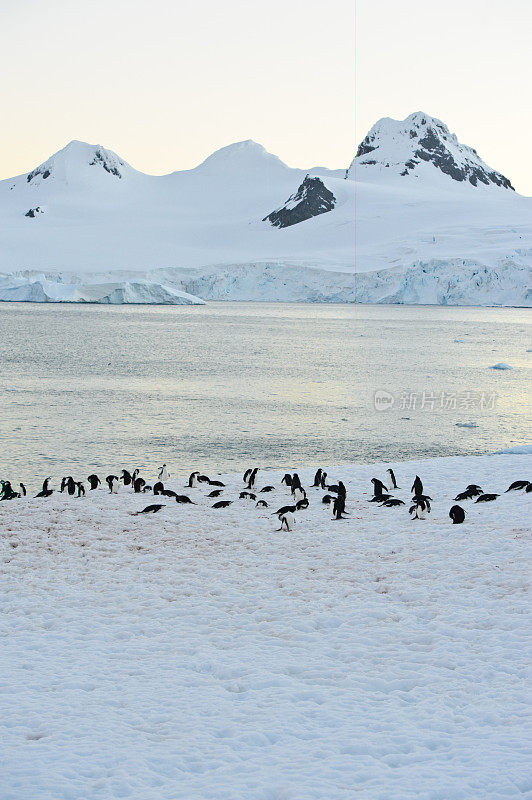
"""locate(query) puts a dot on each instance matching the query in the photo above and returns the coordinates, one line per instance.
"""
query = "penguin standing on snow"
(80, 488)
(323, 482)
(23, 489)
(94, 481)
(71, 485)
(287, 521)
(417, 486)
(193, 480)
(379, 489)
(126, 477)
(158, 487)
(392, 483)
(252, 478)
(420, 507)
(163, 473)
(457, 514)
(287, 479)
(112, 483)
(338, 508)
(317, 479)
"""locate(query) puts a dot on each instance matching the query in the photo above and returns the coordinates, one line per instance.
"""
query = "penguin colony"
(335, 496)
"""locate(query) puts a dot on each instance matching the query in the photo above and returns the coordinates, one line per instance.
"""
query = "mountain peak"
(407, 147)
(243, 156)
(73, 159)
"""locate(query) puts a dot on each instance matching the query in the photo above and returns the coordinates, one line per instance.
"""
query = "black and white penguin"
(380, 498)
(417, 486)
(163, 473)
(379, 489)
(252, 479)
(193, 480)
(317, 479)
(302, 504)
(392, 483)
(338, 508)
(215, 493)
(457, 514)
(516, 486)
(152, 509)
(216, 483)
(71, 485)
(203, 479)
(246, 475)
(268, 489)
(420, 508)
(158, 487)
(222, 504)
(298, 494)
(45, 483)
(138, 485)
(166, 492)
(486, 498)
(284, 510)
(183, 499)
(323, 482)
(390, 502)
(261, 504)
(468, 494)
(45, 493)
(126, 477)
(247, 496)
(81, 488)
(112, 483)
(338, 488)
(287, 521)
(287, 479)
(94, 481)
(295, 481)
(529, 488)
(8, 492)
(23, 489)
(63, 486)
(326, 499)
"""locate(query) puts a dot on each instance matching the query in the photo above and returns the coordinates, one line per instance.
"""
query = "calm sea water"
(227, 385)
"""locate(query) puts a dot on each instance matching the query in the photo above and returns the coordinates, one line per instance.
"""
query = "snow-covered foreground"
(198, 653)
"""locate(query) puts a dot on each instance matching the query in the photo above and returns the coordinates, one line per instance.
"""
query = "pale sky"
(165, 83)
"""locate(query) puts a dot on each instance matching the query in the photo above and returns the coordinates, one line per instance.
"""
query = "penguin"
(126, 477)
(380, 498)
(163, 473)
(193, 480)
(317, 479)
(486, 498)
(457, 514)
(529, 488)
(138, 485)
(338, 488)
(247, 496)
(419, 509)
(261, 504)
(338, 508)
(298, 494)
(252, 479)
(134, 476)
(467, 495)
(45, 493)
(222, 504)
(392, 483)
(287, 479)
(71, 485)
(391, 502)
(215, 493)
(81, 489)
(246, 475)
(183, 499)
(203, 479)
(63, 486)
(23, 489)
(517, 486)
(301, 504)
(326, 499)
(295, 482)
(165, 492)
(379, 488)
(153, 509)
(422, 497)
(112, 483)
(94, 481)
(268, 489)
(323, 484)
(473, 487)
(7, 491)
(284, 510)
(417, 486)
(158, 487)
(287, 521)
(216, 483)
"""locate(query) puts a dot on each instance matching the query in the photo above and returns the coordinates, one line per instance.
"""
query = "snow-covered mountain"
(433, 223)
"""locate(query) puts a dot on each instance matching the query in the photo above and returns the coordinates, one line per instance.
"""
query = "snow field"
(198, 653)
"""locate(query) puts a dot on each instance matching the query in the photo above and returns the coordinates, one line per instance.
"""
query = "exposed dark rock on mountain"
(312, 198)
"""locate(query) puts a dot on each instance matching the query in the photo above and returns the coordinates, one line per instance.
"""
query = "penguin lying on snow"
(247, 496)
(261, 504)
(517, 486)
(216, 483)
(301, 504)
(153, 509)
(326, 499)
(486, 498)
(457, 514)
(222, 504)
(183, 499)
(470, 492)
(268, 489)
(215, 493)
(390, 502)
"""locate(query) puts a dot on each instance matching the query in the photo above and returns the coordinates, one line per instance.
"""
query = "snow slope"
(201, 654)
(445, 208)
